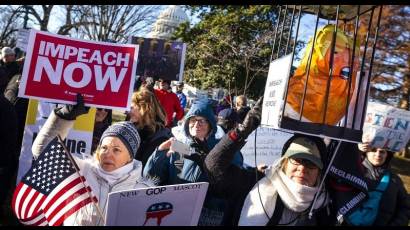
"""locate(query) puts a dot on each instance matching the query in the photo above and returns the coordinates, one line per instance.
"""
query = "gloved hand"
(71, 112)
(251, 121)
(198, 152)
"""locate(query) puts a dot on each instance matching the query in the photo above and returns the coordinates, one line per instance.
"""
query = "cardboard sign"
(386, 127)
(57, 68)
(269, 144)
(173, 205)
(275, 89)
(160, 58)
(78, 141)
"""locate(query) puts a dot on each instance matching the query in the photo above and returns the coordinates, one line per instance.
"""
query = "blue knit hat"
(128, 134)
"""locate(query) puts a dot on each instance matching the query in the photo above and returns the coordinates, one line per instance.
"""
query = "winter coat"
(100, 187)
(7, 71)
(394, 206)
(176, 170)
(171, 105)
(8, 143)
(229, 180)
(149, 142)
(20, 105)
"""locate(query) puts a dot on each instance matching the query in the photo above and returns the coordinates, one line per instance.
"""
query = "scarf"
(373, 172)
(296, 197)
(114, 176)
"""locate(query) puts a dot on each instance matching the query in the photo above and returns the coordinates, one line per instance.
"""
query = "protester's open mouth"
(108, 164)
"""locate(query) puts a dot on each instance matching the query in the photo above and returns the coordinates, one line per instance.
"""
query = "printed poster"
(172, 205)
(57, 68)
(160, 58)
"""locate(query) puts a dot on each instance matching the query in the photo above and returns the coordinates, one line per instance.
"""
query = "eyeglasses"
(299, 161)
(102, 109)
(200, 121)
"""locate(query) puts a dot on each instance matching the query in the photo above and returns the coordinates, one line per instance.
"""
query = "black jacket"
(7, 71)
(20, 105)
(230, 181)
(394, 206)
(8, 143)
(149, 142)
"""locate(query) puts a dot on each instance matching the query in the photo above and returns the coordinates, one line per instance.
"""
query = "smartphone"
(180, 147)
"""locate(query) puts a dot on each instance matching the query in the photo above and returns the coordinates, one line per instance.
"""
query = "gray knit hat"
(128, 134)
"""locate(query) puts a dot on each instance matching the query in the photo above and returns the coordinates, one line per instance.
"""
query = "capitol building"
(167, 22)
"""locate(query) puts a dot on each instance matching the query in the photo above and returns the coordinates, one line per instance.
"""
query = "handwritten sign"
(173, 205)
(275, 88)
(269, 144)
(386, 126)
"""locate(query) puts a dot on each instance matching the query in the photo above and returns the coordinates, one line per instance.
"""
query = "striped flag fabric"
(51, 190)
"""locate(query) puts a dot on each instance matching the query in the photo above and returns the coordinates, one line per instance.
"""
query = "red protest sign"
(57, 68)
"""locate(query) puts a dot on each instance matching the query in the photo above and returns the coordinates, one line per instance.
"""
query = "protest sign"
(269, 144)
(173, 205)
(275, 89)
(160, 58)
(386, 126)
(22, 39)
(78, 141)
(57, 68)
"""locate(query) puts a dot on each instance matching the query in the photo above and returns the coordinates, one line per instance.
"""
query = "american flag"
(51, 190)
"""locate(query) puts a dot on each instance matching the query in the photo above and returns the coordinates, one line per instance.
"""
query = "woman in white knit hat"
(113, 167)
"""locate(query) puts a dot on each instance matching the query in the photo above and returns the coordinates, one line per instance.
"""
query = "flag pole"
(77, 169)
(323, 179)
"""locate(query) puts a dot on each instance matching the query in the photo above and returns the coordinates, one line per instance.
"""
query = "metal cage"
(347, 19)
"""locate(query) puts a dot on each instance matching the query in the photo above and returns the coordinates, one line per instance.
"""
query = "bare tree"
(8, 25)
(115, 22)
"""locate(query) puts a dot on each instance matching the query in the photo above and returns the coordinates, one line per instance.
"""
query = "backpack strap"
(277, 214)
(384, 182)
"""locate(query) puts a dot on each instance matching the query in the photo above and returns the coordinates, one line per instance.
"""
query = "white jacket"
(88, 215)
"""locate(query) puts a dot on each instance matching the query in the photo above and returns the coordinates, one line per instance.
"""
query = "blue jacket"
(174, 170)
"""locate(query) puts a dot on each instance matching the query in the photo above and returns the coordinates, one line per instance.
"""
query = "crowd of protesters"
(136, 154)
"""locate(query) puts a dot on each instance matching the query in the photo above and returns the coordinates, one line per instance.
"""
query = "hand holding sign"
(71, 112)
(251, 121)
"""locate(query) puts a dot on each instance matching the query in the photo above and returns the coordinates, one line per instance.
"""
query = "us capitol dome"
(167, 22)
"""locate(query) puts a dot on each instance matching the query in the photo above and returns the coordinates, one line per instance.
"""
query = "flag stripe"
(20, 199)
(62, 195)
(36, 204)
(28, 201)
(37, 220)
(63, 201)
(76, 204)
(73, 210)
(16, 194)
(57, 190)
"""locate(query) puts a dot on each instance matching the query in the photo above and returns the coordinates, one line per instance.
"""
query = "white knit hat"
(6, 51)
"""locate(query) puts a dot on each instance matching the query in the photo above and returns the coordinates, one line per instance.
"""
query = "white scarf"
(295, 197)
(117, 174)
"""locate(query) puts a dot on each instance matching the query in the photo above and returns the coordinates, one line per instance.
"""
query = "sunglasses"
(299, 161)
(101, 109)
